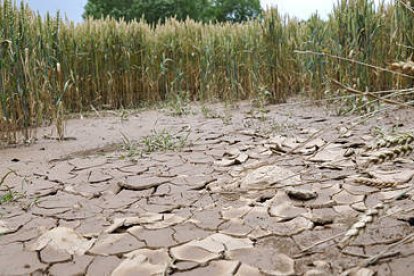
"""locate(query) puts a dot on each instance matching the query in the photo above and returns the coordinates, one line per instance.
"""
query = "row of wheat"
(48, 65)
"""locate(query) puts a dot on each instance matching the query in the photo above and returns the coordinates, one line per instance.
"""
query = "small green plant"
(164, 141)
(281, 127)
(210, 114)
(259, 110)
(158, 141)
(10, 195)
(227, 118)
(179, 104)
(130, 147)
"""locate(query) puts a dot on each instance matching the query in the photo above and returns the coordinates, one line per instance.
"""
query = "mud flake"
(123, 199)
(221, 242)
(360, 271)
(14, 260)
(40, 188)
(259, 217)
(149, 220)
(194, 182)
(301, 194)
(359, 206)
(389, 194)
(144, 262)
(87, 163)
(225, 162)
(193, 253)
(71, 190)
(5, 229)
(267, 176)
(163, 190)
(283, 207)
(103, 265)
(23, 235)
(221, 267)
(235, 227)
(167, 221)
(60, 200)
(259, 233)
(113, 244)
(317, 272)
(50, 255)
(190, 170)
(346, 212)
(92, 227)
(400, 176)
(235, 212)
(63, 239)
(131, 221)
(93, 190)
(207, 219)
(345, 197)
(83, 210)
(284, 245)
(139, 183)
(49, 212)
(247, 270)
(184, 265)
(266, 260)
(242, 158)
(98, 176)
(200, 158)
(161, 238)
(330, 153)
(292, 227)
(131, 170)
(322, 217)
(77, 266)
(358, 189)
(60, 173)
(188, 232)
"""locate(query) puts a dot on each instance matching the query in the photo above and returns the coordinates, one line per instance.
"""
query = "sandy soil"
(295, 191)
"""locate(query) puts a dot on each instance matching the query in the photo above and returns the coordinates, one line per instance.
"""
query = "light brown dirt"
(248, 194)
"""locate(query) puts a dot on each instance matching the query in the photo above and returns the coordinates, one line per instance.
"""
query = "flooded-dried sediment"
(292, 191)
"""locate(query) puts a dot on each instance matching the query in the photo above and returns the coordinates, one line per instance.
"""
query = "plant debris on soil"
(316, 195)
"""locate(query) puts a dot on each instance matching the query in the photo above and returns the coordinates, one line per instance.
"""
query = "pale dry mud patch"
(294, 191)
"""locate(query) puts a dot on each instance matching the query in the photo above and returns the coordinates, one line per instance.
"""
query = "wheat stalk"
(359, 227)
(378, 183)
(389, 155)
(391, 141)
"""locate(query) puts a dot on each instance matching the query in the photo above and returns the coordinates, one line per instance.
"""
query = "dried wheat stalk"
(391, 141)
(378, 183)
(405, 67)
(359, 227)
(390, 155)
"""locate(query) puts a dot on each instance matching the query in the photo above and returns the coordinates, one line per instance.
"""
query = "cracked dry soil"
(299, 193)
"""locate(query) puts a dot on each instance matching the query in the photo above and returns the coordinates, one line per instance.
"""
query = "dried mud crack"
(321, 195)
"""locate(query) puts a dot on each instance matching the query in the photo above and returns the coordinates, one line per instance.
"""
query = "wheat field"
(50, 67)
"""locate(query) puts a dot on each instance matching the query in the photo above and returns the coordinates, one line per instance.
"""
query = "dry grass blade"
(354, 61)
(10, 172)
(386, 252)
(373, 96)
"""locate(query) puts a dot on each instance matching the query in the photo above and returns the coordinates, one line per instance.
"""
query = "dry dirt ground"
(295, 191)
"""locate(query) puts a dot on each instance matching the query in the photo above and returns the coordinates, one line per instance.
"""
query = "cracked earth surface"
(299, 192)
